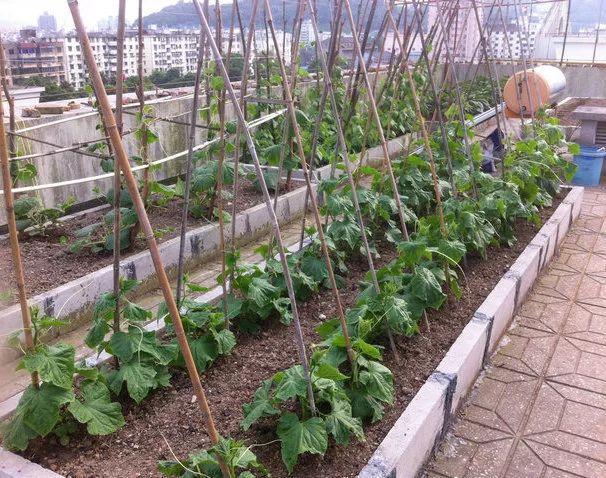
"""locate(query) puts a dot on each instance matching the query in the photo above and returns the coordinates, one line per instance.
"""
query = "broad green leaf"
(260, 407)
(54, 364)
(122, 346)
(96, 410)
(41, 406)
(426, 288)
(378, 381)
(341, 424)
(226, 341)
(261, 291)
(236, 455)
(290, 383)
(325, 370)
(300, 437)
(204, 350)
(139, 378)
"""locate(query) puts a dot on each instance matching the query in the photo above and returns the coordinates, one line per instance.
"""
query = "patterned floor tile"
(539, 411)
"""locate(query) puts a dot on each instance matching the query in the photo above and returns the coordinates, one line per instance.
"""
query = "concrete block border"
(74, 299)
(411, 440)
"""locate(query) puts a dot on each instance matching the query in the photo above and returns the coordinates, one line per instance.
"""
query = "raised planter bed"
(413, 437)
(436, 400)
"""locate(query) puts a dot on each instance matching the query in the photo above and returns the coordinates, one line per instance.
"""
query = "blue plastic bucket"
(590, 166)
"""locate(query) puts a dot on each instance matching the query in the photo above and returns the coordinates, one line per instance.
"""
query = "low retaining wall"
(74, 299)
(423, 423)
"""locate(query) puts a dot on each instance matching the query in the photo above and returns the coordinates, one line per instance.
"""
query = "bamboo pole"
(565, 31)
(494, 82)
(191, 139)
(219, 186)
(117, 179)
(319, 118)
(11, 103)
(377, 119)
(131, 183)
(459, 102)
(348, 166)
(314, 203)
(14, 236)
(438, 107)
(422, 126)
(141, 94)
(248, 50)
(597, 33)
(299, 340)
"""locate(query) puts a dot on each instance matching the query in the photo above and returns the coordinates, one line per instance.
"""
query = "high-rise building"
(47, 23)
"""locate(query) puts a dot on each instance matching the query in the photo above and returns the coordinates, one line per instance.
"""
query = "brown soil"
(170, 418)
(48, 263)
(564, 112)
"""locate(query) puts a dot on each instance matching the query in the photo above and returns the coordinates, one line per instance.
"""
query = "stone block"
(498, 308)
(403, 451)
(465, 358)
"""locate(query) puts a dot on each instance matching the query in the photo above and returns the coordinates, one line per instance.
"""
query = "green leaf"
(236, 455)
(260, 407)
(134, 313)
(96, 410)
(16, 433)
(226, 341)
(261, 291)
(341, 424)
(40, 407)
(367, 349)
(204, 350)
(54, 364)
(122, 346)
(300, 437)
(378, 380)
(314, 267)
(290, 383)
(97, 333)
(425, 287)
(325, 370)
(139, 378)
(282, 305)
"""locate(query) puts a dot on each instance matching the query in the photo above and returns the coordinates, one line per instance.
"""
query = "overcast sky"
(17, 13)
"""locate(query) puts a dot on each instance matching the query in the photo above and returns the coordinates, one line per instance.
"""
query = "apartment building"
(105, 51)
(32, 57)
(165, 51)
(521, 42)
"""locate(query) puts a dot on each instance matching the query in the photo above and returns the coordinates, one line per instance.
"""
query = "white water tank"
(537, 87)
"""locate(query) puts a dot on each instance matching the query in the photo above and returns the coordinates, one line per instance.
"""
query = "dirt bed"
(48, 263)
(169, 416)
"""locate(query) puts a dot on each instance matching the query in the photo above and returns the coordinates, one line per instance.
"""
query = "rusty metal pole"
(131, 182)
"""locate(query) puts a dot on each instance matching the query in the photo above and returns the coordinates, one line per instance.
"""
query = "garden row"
(349, 390)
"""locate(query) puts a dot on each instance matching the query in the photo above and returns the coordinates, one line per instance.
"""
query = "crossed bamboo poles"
(112, 127)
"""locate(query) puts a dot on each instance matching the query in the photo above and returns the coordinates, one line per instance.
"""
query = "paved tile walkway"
(540, 408)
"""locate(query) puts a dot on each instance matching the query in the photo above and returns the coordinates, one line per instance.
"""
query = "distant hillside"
(183, 14)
